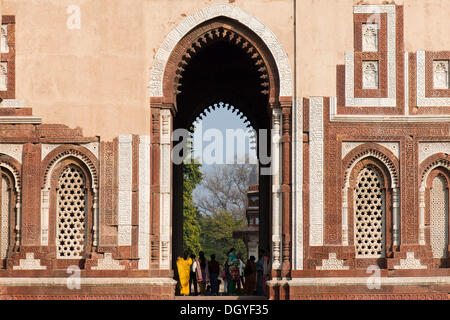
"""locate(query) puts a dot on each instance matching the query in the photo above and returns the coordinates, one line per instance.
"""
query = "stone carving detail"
(108, 263)
(440, 74)
(215, 10)
(370, 74)
(369, 214)
(439, 217)
(4, 48)
(370, 37)
(30, 263)
(3, 76)
(332, 263)
(410, 262)
(71, 214)
(4, 217)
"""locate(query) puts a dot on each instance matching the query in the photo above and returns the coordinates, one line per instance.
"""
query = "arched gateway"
(221, 53)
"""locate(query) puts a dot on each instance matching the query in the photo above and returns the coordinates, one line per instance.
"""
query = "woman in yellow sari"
(184, 269)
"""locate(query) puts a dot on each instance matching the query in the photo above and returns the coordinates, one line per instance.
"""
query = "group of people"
(203, 275)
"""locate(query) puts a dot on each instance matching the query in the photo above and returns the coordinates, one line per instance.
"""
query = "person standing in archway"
(233, 265)
(184, 268)
(260, 274)
(193, 275)
(202, 272)
(250, 276)
(240, 282)
(214, 269)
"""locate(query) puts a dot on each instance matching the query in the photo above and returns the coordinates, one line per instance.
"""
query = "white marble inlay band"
(297, 199)
(316, 136)
(144, 203)
(125, 169)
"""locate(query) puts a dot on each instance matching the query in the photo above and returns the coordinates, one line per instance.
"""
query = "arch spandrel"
(158, 78)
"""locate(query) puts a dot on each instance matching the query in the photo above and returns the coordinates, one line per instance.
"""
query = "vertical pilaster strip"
(165, 183)
(395, 214)
(422, 215)
(297, 199)
(45, 198)
(316, 188)
(345, 216)
(155, 162)
(406, 86)
(125, 190)
(144, 203)
(276, 189)
(18, 208)
(96, 217)
(286, 109)
(108, 194)
(31, 221)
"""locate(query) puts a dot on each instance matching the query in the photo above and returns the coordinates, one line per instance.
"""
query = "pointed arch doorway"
(214, 56)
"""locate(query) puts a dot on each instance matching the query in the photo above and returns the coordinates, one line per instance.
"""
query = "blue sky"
(222, 119)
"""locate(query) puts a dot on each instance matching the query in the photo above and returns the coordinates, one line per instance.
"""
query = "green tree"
(192, 176)
(217, 234)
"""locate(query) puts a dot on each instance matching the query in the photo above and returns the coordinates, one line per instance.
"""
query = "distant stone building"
(250, 234)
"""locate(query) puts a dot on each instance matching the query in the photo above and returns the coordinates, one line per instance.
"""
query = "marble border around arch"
(210, 12)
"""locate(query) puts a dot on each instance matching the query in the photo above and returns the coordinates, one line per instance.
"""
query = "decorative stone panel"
(125, 189)
(29, 263)
(4, 48)
(3, 76)
(108, 263)
(12, 150)
(316, 169)
(440, 74)
(71, 214)
(410, 262)
(5, 213)
(144, 203)
(370, 36)
(439, 217)
(332, 263)
(370, 74)
(394, 147)
(369, 217)
(427, 149)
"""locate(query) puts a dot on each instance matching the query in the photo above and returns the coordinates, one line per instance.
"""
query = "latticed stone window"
(439, 217)
(5, 216)
(71, 214)
(369, 219)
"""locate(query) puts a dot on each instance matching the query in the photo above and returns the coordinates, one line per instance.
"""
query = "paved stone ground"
(220, 298)
(224, 297)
